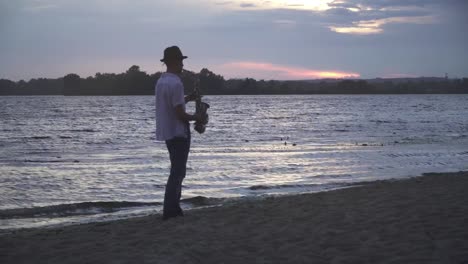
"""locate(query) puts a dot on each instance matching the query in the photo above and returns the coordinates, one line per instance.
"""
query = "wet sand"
(417, 220)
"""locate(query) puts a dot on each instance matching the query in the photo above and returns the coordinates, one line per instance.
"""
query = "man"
(172, 126)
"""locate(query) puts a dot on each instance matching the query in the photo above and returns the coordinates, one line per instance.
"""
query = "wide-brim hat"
(173, 53)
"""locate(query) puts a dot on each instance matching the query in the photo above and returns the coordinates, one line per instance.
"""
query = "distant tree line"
(136, 82)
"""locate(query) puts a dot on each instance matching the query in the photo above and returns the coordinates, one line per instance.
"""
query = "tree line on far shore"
(136, 82)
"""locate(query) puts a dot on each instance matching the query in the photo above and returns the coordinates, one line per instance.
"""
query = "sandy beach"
(417, 220)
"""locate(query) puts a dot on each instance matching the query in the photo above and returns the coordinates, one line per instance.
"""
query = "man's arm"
(182, 115)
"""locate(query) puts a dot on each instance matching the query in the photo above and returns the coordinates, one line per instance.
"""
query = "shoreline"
(189, 204)
(413, 220)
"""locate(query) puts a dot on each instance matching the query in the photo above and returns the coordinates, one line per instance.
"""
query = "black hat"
(171, 53)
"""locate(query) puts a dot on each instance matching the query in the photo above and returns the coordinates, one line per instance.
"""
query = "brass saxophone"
(201, 108)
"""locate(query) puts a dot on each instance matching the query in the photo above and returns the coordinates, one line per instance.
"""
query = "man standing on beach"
(172, 126)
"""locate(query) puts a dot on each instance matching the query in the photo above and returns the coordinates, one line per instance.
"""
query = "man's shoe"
(180, 212)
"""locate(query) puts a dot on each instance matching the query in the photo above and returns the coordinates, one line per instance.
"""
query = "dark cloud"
(224, 3)
(343, 5)
(244, 5)
(341, 12)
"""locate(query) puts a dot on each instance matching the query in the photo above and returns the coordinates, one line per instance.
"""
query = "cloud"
(224, 3)
(366, 27)
(36, 6)
(370, 17)
(357, 17)
(276, 4)
(280, 72)
(245, 5)
(285, 23)
(379, 4)
(356, 30)
(40, 8)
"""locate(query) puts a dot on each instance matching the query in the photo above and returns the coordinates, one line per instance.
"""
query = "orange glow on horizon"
(280, 72)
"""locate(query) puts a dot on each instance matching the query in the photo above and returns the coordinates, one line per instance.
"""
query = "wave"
(202, 201)
(298, 186)
(83, 130)
(41, 137)
(34, 137)
(280, 186)
(92, 208)
(63, 210)
(43, 161)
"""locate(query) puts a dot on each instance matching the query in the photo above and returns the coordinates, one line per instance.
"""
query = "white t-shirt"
(169, 92)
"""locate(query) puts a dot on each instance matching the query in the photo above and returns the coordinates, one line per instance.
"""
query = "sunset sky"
(276, 39)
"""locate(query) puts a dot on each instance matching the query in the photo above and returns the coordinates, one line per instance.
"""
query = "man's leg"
(178, 151)
(185, 158)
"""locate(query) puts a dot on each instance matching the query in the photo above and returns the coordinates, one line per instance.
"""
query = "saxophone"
(201, 108)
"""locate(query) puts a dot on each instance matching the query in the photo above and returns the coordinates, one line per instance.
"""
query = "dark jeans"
(178, 148)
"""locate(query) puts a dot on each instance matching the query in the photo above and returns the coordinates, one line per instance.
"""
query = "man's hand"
(191, 97)
(182, 115)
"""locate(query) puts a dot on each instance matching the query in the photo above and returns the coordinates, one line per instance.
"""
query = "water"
(79, 159)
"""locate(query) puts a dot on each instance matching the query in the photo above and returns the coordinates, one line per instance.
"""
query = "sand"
(417, 220)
